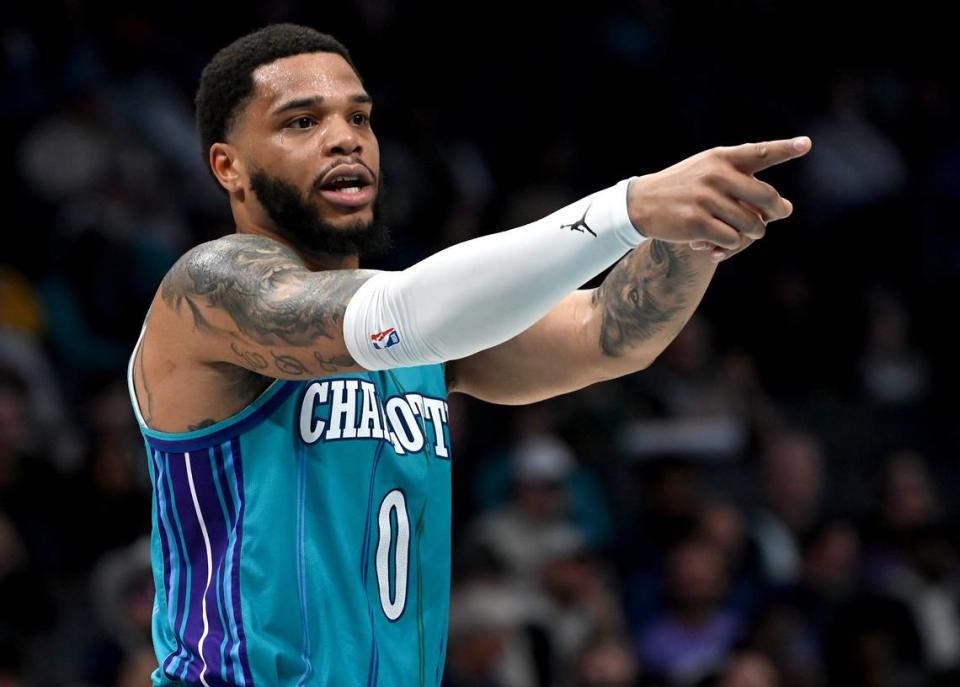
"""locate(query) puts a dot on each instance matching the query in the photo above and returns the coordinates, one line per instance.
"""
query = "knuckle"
(697, 222)
(702, 197)
(716, 154)
(690, 215)
(762, 150)
(713, 177)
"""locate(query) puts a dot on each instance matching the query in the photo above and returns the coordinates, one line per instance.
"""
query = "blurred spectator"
(667, 495)
(892, 371)
(495, 479)
(749, 669)
(928, 582)
(580, 602)
(50, 428)
(693, 636)
(670, 491)
(113, 485)
(856, 162)
(908, 501)
(539, 509)
(487, 644)
(791, 489)
(122, 595)
(807, 607)
(722, 524)
(607, 661)
(816, 626)
(701, 401)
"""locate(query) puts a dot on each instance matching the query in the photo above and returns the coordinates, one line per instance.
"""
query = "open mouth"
(348, 191)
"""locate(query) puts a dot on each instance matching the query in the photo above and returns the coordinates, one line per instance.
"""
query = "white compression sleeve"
(484, 291)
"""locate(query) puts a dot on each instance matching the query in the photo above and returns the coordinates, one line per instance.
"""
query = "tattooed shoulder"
(268, 292)
(198, 271)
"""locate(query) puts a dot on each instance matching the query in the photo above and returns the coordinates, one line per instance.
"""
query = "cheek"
(372, 154)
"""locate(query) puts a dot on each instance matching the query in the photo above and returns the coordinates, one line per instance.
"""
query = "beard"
(296, 218)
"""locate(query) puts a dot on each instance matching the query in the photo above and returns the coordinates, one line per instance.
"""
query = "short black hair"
(227, 81)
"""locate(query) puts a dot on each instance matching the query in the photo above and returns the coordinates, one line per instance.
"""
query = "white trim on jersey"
(206, 544)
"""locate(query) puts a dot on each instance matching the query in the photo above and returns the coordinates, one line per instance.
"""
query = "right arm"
(249, 300)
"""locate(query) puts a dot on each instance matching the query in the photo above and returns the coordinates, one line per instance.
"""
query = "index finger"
(754, 157)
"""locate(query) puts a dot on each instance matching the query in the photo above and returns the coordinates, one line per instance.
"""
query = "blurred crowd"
(769, 504)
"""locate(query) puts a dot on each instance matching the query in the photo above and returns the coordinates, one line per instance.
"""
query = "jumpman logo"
(576, 226)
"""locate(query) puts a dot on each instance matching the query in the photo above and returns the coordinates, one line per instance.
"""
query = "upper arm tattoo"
(646, 290)
(270, 295)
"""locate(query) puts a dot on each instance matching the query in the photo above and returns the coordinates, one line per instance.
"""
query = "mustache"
(318, 182)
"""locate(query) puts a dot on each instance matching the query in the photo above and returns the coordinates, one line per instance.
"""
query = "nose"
(341, 138)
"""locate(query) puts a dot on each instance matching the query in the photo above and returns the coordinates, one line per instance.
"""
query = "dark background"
(771, 503)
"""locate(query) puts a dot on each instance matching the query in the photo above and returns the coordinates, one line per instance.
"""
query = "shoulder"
(228, 254)
(223, 262)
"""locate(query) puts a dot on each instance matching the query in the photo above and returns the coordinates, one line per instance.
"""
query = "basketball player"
(293, 406)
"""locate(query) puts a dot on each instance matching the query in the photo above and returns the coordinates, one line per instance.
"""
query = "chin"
(348, 218)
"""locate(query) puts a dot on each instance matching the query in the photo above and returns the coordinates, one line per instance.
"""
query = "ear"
(227, 167)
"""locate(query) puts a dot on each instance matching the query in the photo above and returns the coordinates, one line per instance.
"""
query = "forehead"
(308, 75)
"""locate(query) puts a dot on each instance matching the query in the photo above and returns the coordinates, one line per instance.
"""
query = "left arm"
(650, 295)
(594, 335)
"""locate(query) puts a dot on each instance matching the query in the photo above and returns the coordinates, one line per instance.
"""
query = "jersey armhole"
(244, 418)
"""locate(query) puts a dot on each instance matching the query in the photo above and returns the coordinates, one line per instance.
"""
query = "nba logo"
(385, 339)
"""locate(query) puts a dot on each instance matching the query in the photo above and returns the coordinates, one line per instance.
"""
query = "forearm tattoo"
(641, 295)
(272, 298)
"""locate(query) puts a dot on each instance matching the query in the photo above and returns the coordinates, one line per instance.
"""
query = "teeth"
(346, 189)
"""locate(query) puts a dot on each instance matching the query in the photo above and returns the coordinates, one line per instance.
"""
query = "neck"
(315, 262)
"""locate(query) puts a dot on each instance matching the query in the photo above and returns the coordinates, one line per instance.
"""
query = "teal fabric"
(306, 540)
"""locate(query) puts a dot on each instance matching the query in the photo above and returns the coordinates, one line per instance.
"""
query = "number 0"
(393, 501)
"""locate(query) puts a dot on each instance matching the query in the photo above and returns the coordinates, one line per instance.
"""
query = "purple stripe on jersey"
(183, 581)
(197, 552)
(228, 580)
(164, 531)
(238, 476)
(230, 666)
(206, 478)
(204, 473)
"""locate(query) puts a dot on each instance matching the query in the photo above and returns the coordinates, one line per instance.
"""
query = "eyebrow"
(317, 100)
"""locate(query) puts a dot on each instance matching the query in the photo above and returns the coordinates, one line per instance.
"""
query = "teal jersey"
(306, 539)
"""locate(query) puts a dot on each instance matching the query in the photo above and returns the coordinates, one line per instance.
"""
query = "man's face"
(310, 117)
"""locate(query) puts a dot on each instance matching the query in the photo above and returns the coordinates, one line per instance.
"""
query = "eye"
(364, 119)
(301, 123)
